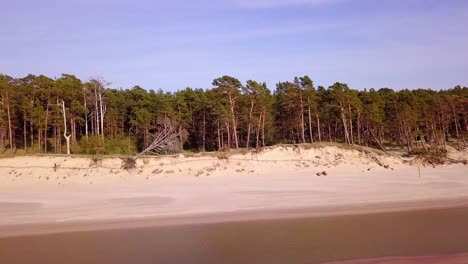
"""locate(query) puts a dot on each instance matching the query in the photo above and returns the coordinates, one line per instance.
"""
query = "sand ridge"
(62, 169)
(41, 190)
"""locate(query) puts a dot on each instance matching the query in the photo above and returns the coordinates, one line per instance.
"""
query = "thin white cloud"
(294, 27)
(260, 4)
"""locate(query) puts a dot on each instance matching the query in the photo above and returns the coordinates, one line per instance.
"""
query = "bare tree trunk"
(219, 137)
(336, 131)
(258, 130)
(345, 124)
(310, 127)
(318, 127)
(204, 131)
(366, 135)
(10, 130)
(96, 112)
(59, 140)
(46, 124)
(351, 135)
(222, 138)
(434, 133)
(249, 123)
(67, 137)
(102, 108)
(402, 133)
(39, 139)
(302, 118)
(145, 136)
(2, 140)
(55, 139)
(31, 132)
(457, 125)
(234, 125)
(73, 130)
(466, 123)
(228, 135)
(93, 124)
(263, 129)
(377, 140)
(410, 138)
(359, 127)
(122, 127)
(443, 134)
(24, 132)
(14, 143)
(86, 116)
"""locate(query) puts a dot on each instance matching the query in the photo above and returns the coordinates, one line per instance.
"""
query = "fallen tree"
(167, 139)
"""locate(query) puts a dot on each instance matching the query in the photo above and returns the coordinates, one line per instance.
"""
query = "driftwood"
(64, 113)
(377, 141)
(168, 139)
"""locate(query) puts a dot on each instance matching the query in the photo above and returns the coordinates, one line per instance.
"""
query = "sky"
(175, 44)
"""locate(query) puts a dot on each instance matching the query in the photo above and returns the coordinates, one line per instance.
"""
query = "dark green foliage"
(102, 120)
(117, 146)
(433, 151)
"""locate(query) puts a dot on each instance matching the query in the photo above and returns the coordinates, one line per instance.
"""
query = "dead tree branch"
(67, 137)
(167, 140)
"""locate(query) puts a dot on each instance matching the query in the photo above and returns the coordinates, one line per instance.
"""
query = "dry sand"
(71, 193)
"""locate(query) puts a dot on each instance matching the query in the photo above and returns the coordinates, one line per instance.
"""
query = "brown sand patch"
(15, 206)
(442, 259)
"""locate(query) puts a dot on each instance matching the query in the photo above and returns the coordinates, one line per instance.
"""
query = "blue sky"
(176, 44)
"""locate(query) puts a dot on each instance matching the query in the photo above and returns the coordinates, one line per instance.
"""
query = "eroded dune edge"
(282, 181)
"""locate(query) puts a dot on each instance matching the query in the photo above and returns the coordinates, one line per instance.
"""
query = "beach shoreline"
(229, 217)
(62, 194)
(432, 235)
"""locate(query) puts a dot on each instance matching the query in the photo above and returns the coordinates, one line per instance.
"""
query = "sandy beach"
(56, 194)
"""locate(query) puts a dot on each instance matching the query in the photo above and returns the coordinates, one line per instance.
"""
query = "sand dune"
(47, 190)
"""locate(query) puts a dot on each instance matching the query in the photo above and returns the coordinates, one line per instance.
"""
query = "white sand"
(48, 190)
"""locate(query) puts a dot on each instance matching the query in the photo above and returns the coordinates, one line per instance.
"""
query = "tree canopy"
(101, 119)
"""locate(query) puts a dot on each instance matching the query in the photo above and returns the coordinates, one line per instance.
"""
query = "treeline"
(41, 114)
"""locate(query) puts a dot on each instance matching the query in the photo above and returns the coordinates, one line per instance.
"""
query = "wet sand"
(440, 259)
(42, 228)
(439, 234)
